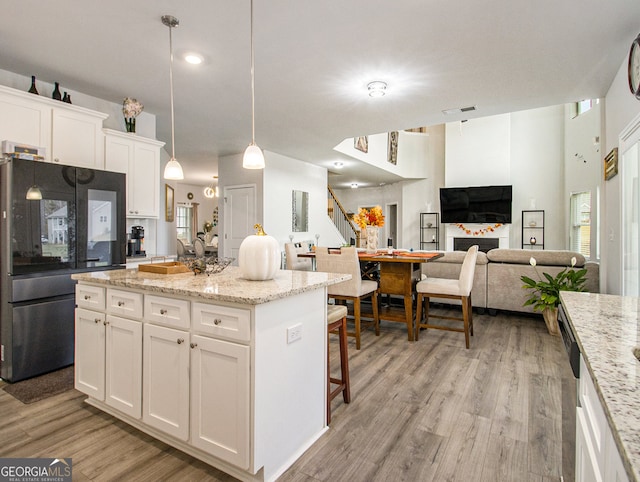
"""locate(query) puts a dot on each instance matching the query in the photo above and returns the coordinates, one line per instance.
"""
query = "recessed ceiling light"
(377, 88)
(338, 164)
(193, 58)
(354, 185)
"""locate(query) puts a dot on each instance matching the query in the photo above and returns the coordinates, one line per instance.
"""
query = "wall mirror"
(300, 211)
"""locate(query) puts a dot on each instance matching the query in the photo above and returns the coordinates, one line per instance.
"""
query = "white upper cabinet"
(70, 134)
(76, 138)
(24, 120)
(139, 158)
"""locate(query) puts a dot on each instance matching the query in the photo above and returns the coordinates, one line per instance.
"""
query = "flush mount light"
(338, 164)
(193, 58)
(377, 88)
(354, 185)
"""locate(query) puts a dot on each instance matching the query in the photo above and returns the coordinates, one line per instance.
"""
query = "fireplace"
(484, 244)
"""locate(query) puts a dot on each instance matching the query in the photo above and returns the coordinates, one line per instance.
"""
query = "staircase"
(341, 219)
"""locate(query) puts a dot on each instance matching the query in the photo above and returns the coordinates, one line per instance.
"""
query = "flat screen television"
(481, 204)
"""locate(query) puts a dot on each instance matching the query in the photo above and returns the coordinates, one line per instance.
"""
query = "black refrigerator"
(72, 220)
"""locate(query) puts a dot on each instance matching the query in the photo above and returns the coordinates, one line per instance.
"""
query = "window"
(184, 223)
(580, 235)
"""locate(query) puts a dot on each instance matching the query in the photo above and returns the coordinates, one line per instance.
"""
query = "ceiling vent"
(459, 110)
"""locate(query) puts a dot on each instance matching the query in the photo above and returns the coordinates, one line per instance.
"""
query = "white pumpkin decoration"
(259, 256)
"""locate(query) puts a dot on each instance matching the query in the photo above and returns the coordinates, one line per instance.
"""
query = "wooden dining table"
(399, 272)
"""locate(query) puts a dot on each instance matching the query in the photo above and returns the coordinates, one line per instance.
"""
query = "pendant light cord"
(173, 139)
(253, 87)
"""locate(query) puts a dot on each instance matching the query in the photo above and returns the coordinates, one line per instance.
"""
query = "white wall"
(477, 152)
(283, 175)
(620, 109)
(412, 152)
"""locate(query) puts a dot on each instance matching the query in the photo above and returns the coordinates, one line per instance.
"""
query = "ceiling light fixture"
(193, 58)
(253, 157)
(210, 191)
(377, 88)
(173, 169)
(338, 164)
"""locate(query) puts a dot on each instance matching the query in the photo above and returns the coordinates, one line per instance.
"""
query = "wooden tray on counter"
(171, 267)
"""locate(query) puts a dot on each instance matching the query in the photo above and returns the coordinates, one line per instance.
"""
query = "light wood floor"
(424, 411)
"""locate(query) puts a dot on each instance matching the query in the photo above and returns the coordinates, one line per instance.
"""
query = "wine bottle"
(32, 89)
(56, 92)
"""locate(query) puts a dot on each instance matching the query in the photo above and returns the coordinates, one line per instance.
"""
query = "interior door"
(239, 217)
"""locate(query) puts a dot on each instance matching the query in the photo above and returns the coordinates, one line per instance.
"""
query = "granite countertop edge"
(607, 328)
(227, 286)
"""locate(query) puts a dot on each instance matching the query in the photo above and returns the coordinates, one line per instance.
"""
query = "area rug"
(44, 386)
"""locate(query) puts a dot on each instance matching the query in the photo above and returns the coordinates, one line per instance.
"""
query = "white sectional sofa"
(497, 284)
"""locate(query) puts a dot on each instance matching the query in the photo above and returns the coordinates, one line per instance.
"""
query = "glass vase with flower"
(131, 109)
(370, 220)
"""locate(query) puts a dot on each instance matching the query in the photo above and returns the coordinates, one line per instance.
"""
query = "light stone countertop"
(607, 328)
(226, 286)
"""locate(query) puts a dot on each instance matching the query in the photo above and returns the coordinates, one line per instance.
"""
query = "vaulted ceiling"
(313, 61)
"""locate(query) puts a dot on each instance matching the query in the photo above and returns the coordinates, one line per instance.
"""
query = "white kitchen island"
(230, 371)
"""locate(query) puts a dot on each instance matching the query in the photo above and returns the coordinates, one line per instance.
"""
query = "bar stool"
(337, 323)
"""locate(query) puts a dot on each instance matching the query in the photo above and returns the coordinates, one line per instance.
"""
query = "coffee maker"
(137, 239)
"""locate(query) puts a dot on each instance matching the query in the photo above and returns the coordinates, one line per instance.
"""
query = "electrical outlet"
(294, 333)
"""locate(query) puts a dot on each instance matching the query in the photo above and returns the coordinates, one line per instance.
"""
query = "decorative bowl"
(210, 265)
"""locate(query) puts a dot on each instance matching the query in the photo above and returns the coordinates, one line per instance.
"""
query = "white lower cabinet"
(108, 360)
(220, 399)
(198, 388)
(165, 380)
(597, 456)
(90, 352)
(124, 365)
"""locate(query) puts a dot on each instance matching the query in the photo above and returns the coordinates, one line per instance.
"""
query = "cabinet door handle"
(97, 320)
(163, 311)
(106, 323)
(180, 341)
(217, 321)
(87, 297)
(120, 303)
(193, 345)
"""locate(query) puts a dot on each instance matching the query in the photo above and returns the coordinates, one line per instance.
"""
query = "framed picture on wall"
(361, 143)
(168, 203)
(393, 147)
(611, 164)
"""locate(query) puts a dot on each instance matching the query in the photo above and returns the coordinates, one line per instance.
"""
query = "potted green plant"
(545, 293)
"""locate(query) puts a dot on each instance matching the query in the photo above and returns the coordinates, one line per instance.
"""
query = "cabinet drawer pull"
(97, 320)
(120, 303)
(163, 311)
(217, 321)
(193, 345)
(180, 341)
(87, 297)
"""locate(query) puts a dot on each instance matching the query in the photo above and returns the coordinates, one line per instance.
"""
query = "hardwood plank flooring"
(424, 411)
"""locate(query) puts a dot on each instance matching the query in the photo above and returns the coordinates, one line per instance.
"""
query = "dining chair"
(292, 261)
(355, 289)
(459, 289)
(182, 249)
(198, 247)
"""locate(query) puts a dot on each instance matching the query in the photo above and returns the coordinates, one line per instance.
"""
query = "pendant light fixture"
(210, 191)
(173, 169)
(34, 193)
(253, 156)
